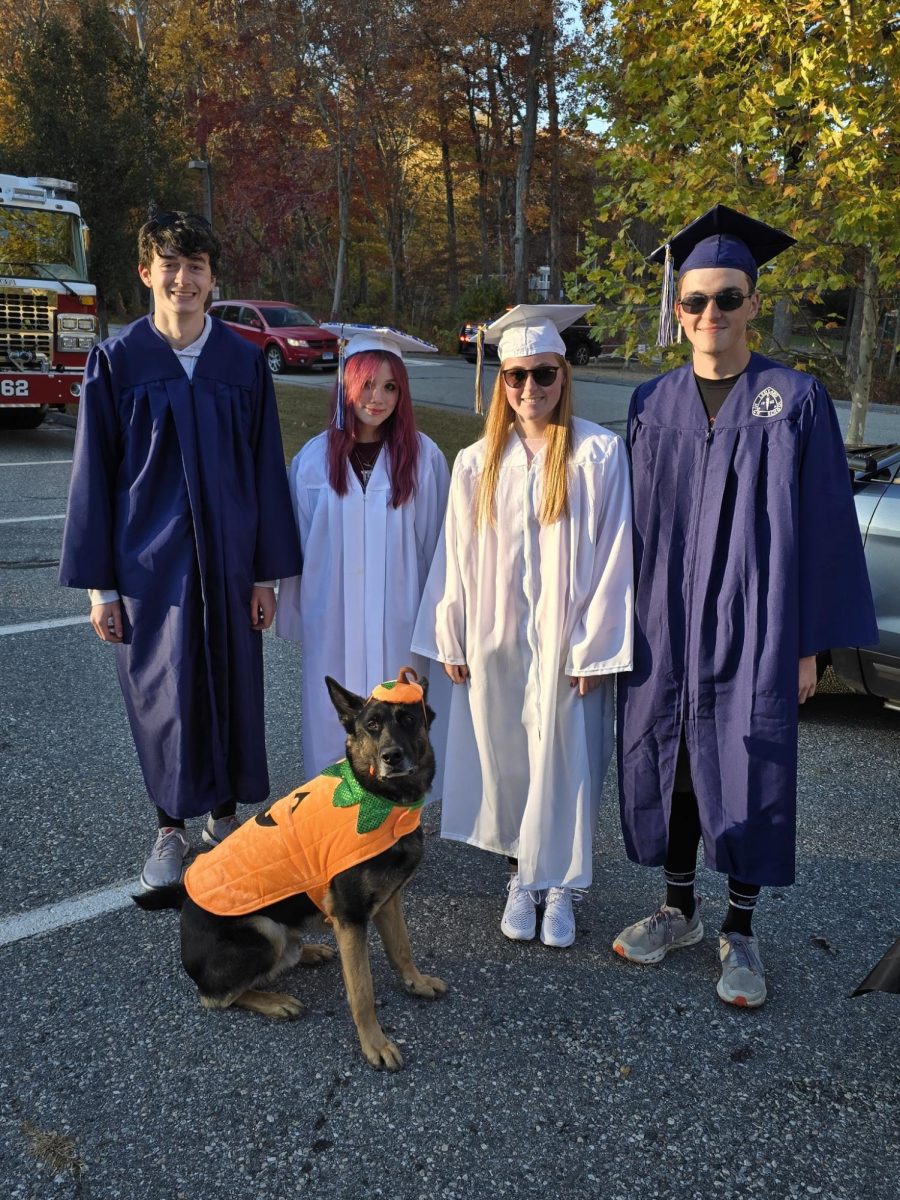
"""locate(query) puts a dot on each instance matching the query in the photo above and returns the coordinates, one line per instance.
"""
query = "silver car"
(876, 485)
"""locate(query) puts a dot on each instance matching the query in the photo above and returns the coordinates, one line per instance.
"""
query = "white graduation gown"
(354, 606)
(525, 606)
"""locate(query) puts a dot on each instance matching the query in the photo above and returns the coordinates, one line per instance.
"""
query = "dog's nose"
(392, 756)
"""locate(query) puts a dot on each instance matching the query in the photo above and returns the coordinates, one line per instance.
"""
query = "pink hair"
(398, 432)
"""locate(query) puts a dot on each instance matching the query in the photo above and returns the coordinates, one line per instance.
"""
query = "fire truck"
(48, 310)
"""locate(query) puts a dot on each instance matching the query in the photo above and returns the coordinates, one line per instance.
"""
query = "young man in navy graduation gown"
(179, 520)
(748, 563)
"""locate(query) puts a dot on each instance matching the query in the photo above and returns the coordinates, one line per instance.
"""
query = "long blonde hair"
(557, 451)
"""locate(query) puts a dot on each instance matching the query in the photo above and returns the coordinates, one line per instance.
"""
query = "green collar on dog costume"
(373, 810)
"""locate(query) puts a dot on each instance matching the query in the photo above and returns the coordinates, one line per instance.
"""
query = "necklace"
(363, 460)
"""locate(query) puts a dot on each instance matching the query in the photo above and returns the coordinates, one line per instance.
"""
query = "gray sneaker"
(218, 830)
(166, 861)
(650, 940)
(743, 978)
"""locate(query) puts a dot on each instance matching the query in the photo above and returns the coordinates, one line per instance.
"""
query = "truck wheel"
(22, 418)
(275, 359)
(581, 355)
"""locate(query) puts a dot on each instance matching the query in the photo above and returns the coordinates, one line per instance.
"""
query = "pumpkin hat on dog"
(304, 839)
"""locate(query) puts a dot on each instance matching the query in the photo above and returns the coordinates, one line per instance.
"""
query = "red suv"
(288, 336)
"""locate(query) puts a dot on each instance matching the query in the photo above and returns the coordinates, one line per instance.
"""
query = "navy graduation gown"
(179, 500)
(747, 557)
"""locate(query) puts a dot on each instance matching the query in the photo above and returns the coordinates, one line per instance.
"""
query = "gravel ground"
(569, 1073)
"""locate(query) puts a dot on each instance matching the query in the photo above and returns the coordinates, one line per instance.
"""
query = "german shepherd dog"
(230, 957)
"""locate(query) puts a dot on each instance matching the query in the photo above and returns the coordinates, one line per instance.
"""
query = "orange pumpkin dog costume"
(306, 838)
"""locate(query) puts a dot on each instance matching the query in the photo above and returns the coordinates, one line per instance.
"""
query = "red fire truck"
(48, 310)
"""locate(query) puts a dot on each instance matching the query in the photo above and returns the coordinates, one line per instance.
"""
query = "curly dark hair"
(179, 233)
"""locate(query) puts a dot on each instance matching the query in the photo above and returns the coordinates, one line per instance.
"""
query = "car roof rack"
(870, 459)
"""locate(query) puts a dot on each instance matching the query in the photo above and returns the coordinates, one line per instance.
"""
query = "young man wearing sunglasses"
(748, 563)
(179, 519)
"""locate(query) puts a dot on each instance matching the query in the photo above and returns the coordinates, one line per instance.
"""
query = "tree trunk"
(861, 383)
(526, 158)
(852, 359)
(340, 270)
(555, 199)
(397, 253)
(452, 266)
(782, 324)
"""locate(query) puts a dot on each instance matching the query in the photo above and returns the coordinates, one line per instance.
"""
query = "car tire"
(581, 355)
(275, 359)
(22, 418)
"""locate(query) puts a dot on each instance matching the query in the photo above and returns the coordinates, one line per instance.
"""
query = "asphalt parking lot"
(543, 1073)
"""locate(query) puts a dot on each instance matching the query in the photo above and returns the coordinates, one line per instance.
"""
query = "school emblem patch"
(768, 403)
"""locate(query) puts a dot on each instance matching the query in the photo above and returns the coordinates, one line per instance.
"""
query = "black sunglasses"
(543, 376)
(726, 301)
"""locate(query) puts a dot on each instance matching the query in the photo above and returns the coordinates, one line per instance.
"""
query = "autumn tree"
(83, 108)
(791, 112)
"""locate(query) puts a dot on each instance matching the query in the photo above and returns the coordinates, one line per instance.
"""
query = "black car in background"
(580, 346)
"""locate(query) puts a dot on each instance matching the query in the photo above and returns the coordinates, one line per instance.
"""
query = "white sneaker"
(558, 925)
(520, 915)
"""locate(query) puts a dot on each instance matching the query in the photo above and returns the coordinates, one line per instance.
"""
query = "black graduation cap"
(722, 237)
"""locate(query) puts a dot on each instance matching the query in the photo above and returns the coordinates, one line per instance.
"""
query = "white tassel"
(665, 336)
(339, 391)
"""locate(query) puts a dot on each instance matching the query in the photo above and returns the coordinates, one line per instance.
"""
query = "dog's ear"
(430, 714)
(347, 704)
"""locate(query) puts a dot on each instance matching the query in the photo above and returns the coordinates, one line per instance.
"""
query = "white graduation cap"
(533, 329)
(524, 330)
(377, 337)
(357, 338)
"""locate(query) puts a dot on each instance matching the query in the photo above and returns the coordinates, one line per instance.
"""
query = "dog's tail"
(159, 898)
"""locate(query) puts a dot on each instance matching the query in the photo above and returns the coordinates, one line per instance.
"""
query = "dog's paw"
(427, 986)
(277, 1005)
(287, 1008)
(382, 1055)
(314, 954)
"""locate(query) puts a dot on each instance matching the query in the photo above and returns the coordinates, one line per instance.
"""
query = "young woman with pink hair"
(369, 496)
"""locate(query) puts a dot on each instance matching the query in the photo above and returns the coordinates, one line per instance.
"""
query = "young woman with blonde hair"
(528, 606)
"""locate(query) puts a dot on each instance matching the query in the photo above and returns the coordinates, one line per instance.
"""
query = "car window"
(226, 312)
(249, 316)
(281, 318)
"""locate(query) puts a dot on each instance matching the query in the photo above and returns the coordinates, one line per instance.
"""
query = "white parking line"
(22, 520)
(40, 462)
(50, 623)
(66, 912)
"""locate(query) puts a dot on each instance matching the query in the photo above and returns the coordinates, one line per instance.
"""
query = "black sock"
(680, 892)
(164, 821)
(228, 809)
(681, 854)
(742, 898)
